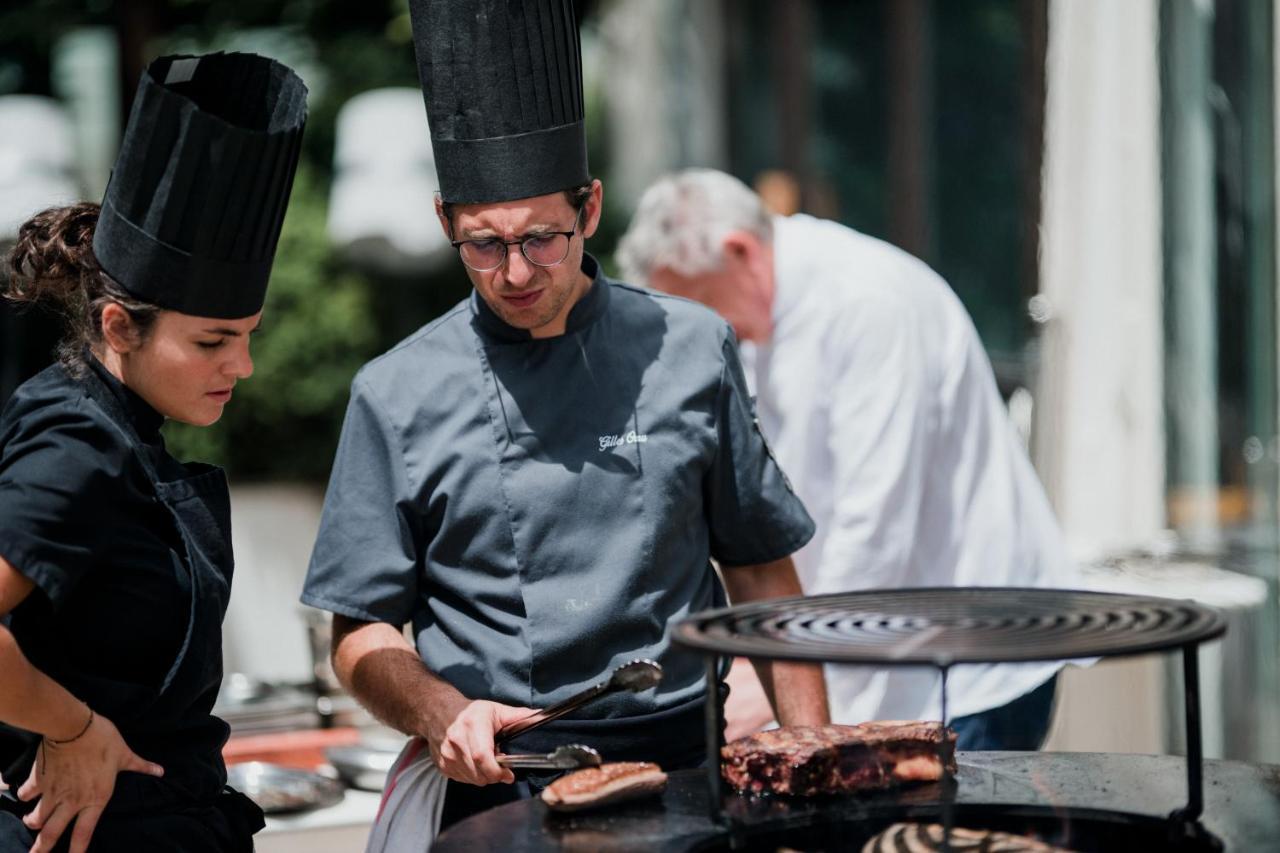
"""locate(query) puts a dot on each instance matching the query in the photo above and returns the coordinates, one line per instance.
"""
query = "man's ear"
(750, 259)
(444, 219)
(594, 208)
(118, 330)
(741, 249)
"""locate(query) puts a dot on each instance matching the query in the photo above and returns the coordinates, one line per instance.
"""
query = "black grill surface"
(1091, 802)
(945, 626)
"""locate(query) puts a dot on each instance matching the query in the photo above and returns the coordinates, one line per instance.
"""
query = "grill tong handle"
(635, 676)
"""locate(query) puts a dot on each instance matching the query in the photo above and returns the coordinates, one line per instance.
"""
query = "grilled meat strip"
(808, 760)
(608, 783)
(926, 838)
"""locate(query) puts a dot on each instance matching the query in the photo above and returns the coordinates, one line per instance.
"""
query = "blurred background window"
(915, 121)
(1219, 182)
(1219, 213)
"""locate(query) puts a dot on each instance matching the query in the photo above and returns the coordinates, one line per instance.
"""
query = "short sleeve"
(365, 562)
(752, 513)
(61, 473)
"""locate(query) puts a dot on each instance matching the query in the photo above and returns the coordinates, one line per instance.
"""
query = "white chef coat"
(881, 406)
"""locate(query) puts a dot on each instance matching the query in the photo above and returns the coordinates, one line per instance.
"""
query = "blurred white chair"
(381, 205)
(37, 160)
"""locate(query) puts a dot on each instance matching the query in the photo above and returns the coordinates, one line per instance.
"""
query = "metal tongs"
(568, 757)
(635, 676)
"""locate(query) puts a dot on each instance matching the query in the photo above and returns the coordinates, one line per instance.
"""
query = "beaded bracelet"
(53, 742)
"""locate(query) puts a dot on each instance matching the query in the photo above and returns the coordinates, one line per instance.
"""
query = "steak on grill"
(808, 760)
(609, 783)
(926, 838)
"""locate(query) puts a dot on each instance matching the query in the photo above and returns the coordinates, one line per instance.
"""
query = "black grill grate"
(945, 626)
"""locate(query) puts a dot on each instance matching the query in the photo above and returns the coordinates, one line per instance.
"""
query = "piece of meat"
(603, 785)
(808, 760)
(926, 838)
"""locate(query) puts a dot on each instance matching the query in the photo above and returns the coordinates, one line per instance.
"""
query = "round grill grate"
(944, 626)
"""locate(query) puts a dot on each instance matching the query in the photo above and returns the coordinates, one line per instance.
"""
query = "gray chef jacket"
(544, 510)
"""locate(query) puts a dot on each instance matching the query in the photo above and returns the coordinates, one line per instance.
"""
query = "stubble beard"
(554, 299)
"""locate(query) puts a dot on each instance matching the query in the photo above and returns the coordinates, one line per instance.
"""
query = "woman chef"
(115, 559)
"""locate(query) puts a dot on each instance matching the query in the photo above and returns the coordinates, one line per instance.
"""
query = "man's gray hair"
(681, 221)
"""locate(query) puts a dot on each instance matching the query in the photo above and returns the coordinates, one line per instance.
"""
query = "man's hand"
(377, 665)
(465, 750)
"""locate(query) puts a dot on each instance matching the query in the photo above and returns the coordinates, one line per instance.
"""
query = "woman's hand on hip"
(73, 781)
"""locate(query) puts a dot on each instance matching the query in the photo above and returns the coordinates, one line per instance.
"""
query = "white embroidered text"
(608, 441)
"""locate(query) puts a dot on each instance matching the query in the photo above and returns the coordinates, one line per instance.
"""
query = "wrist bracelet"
(53, 742)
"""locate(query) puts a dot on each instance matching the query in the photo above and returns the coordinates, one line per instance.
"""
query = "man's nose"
(518, 270)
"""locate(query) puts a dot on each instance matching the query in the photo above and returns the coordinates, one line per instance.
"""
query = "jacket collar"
(584, 312)
(126, 404)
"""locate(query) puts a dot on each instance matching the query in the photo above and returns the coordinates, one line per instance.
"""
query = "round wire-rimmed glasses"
(544, 249)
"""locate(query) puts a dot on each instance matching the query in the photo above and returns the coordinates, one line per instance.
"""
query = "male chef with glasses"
(538, 481)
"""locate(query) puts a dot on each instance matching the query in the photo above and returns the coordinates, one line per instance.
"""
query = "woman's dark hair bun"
(53, 262)
(53, 265)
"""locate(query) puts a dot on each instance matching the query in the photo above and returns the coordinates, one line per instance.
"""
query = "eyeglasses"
(544, 250)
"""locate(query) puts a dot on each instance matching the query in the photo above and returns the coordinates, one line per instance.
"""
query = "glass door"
(1223, 464)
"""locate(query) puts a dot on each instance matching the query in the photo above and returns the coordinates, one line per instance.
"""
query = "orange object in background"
(779, 190)
(303, 750)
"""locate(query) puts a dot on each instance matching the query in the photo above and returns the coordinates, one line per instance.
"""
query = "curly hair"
(53, 265)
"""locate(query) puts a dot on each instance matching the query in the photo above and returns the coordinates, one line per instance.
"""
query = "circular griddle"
(1118, 794)
(944, 626)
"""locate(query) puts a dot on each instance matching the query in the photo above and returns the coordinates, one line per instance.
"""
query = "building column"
(1100, 424)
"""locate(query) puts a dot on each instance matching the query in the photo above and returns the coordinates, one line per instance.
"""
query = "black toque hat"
(503, 84)
(193, 212)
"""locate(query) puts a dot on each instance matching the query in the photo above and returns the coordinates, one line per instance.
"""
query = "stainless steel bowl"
(364, 765)
(279, 790)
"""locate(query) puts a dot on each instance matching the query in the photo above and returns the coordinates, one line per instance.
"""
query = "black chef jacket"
(80, 517)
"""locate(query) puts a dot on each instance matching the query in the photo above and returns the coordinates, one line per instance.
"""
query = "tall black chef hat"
(193, 211)
(503, 84)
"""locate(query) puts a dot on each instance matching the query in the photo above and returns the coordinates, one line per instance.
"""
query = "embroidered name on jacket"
(608, 441)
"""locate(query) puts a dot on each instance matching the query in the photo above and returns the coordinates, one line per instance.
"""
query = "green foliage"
(356, 62)
(318, 327)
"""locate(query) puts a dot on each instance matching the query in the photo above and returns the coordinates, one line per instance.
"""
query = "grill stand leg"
(1185, 821)
(948, 779)
(714, 726)
(1195, 755)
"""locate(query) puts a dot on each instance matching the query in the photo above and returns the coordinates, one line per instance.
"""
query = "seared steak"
(608, 783)
(808, 760)
(926, 838)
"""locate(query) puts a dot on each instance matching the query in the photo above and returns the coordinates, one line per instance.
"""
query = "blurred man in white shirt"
(880, 404)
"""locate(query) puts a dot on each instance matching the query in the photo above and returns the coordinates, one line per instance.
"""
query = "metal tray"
(281, 790)
(362, 766)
